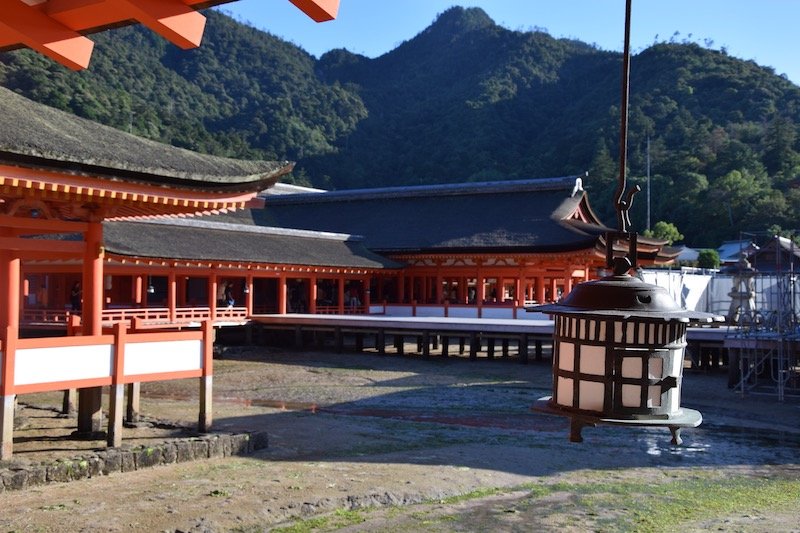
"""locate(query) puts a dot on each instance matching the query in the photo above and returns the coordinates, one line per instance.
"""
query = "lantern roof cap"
(624, 296)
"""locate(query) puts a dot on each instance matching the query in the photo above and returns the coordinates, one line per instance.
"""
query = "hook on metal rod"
(621, 204)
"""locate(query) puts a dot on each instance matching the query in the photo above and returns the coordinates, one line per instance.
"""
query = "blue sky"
(761, 30)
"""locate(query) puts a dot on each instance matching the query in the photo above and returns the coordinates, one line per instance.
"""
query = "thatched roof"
(521, 215)
(38, 136)
(197, 239)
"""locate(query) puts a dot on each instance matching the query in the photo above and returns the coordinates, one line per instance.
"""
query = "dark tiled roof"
(193, 239)
(520, 215)
(35, 135)
(780, 254)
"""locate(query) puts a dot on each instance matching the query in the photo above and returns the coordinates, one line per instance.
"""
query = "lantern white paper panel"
(566, 356)
(631, 395)
(655, 368)
(592, 395)
(564, 392)
(593, 360)
(632, 367)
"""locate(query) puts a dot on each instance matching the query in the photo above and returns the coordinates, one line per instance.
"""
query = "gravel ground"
(363, 442)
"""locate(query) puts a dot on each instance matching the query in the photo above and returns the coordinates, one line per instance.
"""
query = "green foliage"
(464, 100)
(665, 231)
(339, 519)
(708, 259)
(243, 93)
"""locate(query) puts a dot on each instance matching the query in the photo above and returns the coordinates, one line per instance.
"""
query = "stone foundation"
(114, 460)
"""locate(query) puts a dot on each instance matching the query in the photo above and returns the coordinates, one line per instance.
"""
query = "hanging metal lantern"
(618, 352)
(618, 343)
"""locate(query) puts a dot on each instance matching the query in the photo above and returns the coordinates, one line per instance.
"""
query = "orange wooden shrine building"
(59, 180)
(110, 215)
(483, 245)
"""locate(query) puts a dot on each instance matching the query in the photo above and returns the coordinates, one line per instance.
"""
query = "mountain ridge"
(463, 100)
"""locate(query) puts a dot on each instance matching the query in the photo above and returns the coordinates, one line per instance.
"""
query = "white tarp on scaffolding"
(689, 290)
(700, 291)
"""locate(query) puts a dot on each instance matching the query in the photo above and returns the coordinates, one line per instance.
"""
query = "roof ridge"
(450, 189)
(247, 228)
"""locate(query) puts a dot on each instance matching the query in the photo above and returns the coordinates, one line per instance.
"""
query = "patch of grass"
(440, 519)
(473, 495)
(338, 519)
(676, 503)
(660, 506)
(654, 507)
(55, 507)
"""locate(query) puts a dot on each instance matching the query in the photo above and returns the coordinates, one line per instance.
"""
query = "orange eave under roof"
(25, 190)
(58, 28)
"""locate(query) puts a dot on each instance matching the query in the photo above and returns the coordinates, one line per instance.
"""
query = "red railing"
(128, 314)
(348, 310)
(44, 316)
(161, 315)
(183, 315)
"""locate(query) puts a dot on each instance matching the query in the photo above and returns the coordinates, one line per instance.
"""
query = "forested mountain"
(463, 100)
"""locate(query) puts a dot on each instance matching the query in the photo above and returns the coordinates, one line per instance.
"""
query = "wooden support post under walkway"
(432, 332)
(428, 332)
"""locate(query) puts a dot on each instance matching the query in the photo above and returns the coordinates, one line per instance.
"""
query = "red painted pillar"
(10, 266)
(137, 288)
(540, 289)
(313, 294)
(172, 295)
(248, 295)
(340, 295)
(212, 296)
(567, 281)
(9, 331)
(117, 389)
(5, 258)
(205, 415)
(90, 408)
(92, 312)
(282, 294)
(401, 288)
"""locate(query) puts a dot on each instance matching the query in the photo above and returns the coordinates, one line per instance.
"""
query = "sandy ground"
(405, 444)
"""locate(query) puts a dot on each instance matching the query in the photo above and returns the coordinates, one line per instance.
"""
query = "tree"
(665, 231)
(708, 259)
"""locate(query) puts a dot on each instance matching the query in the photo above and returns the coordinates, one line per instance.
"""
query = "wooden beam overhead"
(54, 27)
(41, 225)
(36, 245)
(34, 29)
(318, 10)
(172, 19)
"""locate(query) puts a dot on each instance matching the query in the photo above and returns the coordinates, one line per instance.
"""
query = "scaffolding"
(763, 336)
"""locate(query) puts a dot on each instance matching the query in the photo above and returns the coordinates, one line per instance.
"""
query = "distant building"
(687, 255)
(467, 243)
(731, 251)
(778, 255)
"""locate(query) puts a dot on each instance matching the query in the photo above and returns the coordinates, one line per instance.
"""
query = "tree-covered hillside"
(243, 93)
(463, 100)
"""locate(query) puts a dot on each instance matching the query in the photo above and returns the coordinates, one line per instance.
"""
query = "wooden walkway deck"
(429, 331)
(474, 333)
